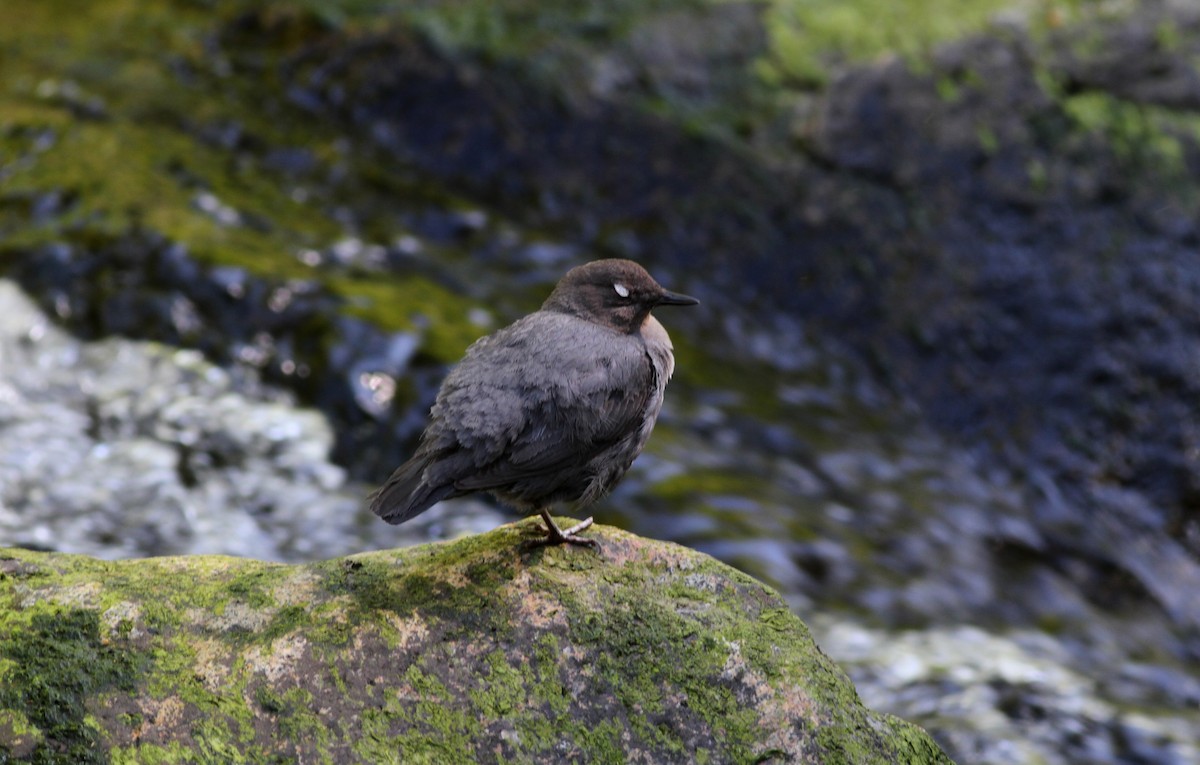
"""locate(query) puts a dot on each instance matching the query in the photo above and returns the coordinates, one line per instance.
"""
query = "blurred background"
(941, 391)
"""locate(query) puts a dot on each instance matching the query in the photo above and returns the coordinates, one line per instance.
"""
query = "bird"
(552, 408)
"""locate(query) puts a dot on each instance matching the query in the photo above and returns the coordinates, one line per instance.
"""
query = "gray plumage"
(554, 407)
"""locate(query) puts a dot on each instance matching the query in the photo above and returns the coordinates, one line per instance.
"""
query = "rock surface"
(1016, 698)
(120, 448)
(479, 650)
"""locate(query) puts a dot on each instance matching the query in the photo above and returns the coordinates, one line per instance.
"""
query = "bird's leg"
(556, 536)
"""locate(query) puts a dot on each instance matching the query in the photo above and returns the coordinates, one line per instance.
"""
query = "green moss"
(632, 628)
(425, 685)
(807, 35)
(503, 692)
(1039, 179)
(298, 722)
(842, 746)
(987, 139)
(517, 28)
(408, 303)
(285, 621)
(216, 741)
(173, 753)
(331, 634)
(1168, 36)
(709, 491)
(60, 660)
(601, 741)
(545, 683)
(492, 648)
(254, 587)
(708, 483)
(16, 732)
(434, 732)
(1145, 138)
(174, 673)
(427, 587)
(146, 158)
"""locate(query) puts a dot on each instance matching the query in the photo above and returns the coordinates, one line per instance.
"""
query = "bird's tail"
(405, 494)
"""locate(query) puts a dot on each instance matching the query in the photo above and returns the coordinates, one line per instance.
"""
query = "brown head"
(615, 293)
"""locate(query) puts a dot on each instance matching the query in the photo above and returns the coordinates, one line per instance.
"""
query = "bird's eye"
(621, 289)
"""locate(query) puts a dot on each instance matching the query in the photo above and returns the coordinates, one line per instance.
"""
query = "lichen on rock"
(484, 649)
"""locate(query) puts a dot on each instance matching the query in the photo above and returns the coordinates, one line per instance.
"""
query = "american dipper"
(552, 408)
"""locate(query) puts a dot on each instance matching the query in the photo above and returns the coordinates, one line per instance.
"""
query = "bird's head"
(614, 293)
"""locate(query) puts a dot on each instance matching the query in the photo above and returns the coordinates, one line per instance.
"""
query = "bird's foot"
(557, 536)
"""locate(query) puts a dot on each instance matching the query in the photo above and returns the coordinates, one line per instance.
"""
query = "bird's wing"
(539, 398)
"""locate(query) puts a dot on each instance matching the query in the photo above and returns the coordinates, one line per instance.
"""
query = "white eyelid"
(621, 289)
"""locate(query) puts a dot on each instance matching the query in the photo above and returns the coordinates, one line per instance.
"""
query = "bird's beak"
(674, 298)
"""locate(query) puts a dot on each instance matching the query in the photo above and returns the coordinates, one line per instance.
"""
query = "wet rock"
(1143, 58)
(120, 448)
(1006, 324)
(1009, 699)
(952, 222)
(470, 651)
(287, 332)
(697, 54)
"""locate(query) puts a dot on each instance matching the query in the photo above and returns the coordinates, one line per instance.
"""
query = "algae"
(485, 647)
(59, 662)
(117, 118)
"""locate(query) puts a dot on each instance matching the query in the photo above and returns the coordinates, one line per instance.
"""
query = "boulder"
(483, 649)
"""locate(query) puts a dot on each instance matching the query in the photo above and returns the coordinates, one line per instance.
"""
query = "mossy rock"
(485, 649)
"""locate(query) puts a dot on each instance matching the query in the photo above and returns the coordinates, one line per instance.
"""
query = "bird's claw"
(557, 536)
